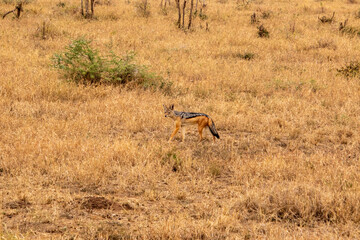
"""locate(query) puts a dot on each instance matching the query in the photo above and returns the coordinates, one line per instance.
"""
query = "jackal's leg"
(200, 128)
(173, 134)
(183, 131)
(177, 127)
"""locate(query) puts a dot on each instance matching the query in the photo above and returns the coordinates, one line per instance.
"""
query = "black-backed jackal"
(183, 119)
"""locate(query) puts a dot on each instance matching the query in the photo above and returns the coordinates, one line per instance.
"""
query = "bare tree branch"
(18, 10)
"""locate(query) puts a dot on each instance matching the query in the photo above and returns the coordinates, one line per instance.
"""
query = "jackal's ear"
(172, 106)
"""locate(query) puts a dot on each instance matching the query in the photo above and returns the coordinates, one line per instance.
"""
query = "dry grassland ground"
(93, 162)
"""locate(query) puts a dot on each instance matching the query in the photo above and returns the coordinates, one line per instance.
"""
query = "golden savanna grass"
(93, 162)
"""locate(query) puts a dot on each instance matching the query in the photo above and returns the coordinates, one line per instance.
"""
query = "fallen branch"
(18, 10)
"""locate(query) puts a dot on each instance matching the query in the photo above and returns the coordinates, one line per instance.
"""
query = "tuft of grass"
(61, 4)
(266, 14)
(215, 170)
(263, 32)
(350, 70)
(349, 30)
(172, 158)
(246, 56)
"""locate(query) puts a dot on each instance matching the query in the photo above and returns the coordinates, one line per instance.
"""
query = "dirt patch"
(43, 227)
(21, 203)
(93, 202)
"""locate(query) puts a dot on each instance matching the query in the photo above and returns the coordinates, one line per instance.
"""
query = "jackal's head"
(169, 111)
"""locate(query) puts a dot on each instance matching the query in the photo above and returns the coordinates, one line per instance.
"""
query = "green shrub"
(80, 63)
(83, 64)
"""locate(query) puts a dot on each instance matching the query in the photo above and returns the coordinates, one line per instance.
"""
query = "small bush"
(83, 64)
(80, 63)
(350, 70)
(262, 32)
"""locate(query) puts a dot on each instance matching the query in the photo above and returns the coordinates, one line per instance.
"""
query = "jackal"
(182, 119)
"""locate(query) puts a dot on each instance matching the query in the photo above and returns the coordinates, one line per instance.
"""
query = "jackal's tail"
(213, 129)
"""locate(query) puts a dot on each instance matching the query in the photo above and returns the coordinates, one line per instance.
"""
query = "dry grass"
(86, 162)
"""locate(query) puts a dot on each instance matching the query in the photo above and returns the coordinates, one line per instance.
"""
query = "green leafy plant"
(83, 64)
(80, 63)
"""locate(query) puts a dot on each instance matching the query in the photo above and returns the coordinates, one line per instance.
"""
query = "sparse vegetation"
(143, 8)
(348, 30)
(61, 4)
(350, 70)
(253, 19)
(245, 56)
(325, 19)
(263, 32)
(202, 15)
(266, 14)
(357, 14)
(46, 30)
(92, 161)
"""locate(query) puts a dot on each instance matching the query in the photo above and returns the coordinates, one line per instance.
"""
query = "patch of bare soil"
(97, 202)
(21, 203)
